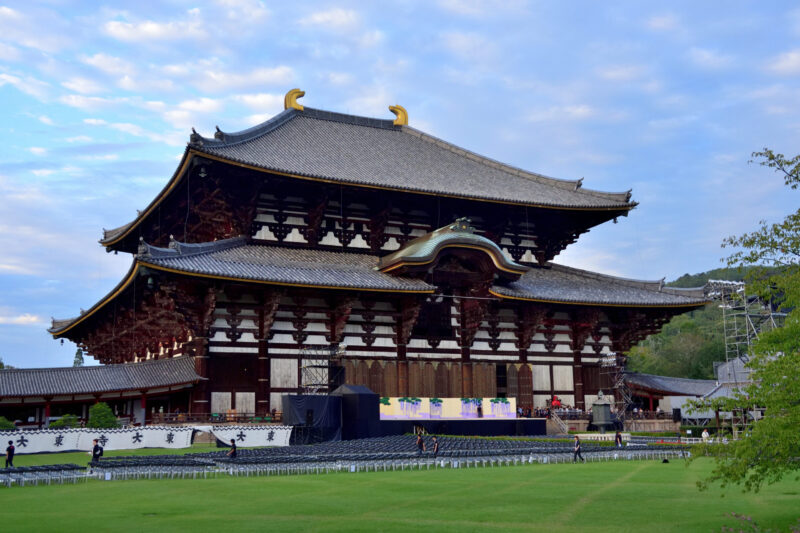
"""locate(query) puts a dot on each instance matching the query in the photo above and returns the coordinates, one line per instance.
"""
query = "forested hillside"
(690, 343)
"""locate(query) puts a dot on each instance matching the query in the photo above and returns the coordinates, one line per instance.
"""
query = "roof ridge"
(94, 367)
(185, 249)
(574, 185)
(650, 285)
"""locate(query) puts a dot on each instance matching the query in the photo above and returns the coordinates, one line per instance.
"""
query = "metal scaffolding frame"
(745, 318)
(613, 365)
(316, 366)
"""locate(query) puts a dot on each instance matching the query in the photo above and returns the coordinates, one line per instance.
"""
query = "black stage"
(481, 427)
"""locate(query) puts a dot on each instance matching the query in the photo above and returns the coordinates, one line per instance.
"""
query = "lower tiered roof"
(68, 381)
(239, 260)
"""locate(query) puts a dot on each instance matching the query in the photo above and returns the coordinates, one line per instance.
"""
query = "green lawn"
(616, 496)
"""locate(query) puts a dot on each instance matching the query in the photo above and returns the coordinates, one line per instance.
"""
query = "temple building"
(423, 269)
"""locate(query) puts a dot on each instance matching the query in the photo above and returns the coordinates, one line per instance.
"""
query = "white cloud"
(25, 319)
(28, 85)
(709, 59)
(622, 72)
(114, 66)
(188, 113)
(264, 102)
(37, 150)
(150, 30)
(92, 103)
(83, 85)
(79, 139)
(101, 157)
(95, 121)
(565, 112)
(222, 80)
(480, 8)
(471, 47)
(338, 78)
(41, 172)
(786, 64)
(44, 119)
(333, 19)
(247, 11)
(665, 22)
(9, 53)
(370, 39)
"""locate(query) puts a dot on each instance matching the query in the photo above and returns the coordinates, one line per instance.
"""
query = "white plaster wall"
(283, 373)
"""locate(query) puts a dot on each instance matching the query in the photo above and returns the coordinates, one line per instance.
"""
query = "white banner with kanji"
(249, 436)
(81, 439)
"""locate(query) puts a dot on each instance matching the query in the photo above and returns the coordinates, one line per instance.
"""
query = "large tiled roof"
(234, 258)
(372, 152)
(669, 385)
(20, 382)
(558, 283)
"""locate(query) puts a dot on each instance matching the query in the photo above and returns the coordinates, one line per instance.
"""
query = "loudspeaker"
(309, 417)
(676, 415)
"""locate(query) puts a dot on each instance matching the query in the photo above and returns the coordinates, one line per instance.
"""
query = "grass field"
(593, 497)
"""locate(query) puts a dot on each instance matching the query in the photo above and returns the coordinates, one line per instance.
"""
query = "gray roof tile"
(373, 152)
(559, 283)
(670, 385)
(19, 382)
(317, 268)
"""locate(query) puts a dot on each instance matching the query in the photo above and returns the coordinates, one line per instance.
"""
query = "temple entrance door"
(220, 402)
(245, 403)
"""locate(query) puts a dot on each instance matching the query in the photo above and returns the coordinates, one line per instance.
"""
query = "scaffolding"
(612, 365)
(745, 318)
(318, 365)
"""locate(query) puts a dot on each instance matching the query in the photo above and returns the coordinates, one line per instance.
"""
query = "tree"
(66, 421)
(4, 366)
(78, 361)
(768, 451)
(6, 424)
(101, 416)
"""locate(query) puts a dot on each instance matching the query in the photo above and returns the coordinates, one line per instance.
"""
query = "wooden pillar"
(402, 371)
(650, 398)
(46, 417)
(201, 395)
(262, 379)
(577, 377)
(466, 380)
(143, 404)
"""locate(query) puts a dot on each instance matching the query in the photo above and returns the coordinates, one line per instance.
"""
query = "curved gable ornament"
(401, 115)
(290, 100)
(423, 251)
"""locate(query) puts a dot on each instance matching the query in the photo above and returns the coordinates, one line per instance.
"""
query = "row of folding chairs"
(45, 474)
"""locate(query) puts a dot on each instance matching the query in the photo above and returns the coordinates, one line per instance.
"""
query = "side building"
(424, 268)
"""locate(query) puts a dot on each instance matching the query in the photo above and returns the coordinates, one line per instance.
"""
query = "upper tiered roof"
(316, 145)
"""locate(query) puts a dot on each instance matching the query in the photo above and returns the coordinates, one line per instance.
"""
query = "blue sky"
(669, 99)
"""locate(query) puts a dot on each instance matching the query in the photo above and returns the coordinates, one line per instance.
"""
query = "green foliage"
(6, 424)
(66, 421)
(101, 416)
(78, 361)
(3, 365)
(686, 347)
(768, 451)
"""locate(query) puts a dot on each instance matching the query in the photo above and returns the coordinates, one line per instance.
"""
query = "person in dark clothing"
(10, 454)
(420, 445)
(576, 450)
(97, 451)
(232, 451)
(435, 447)
(618, 440)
